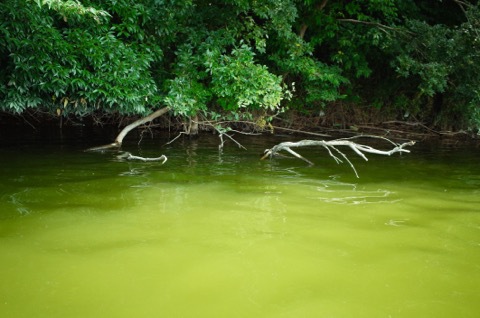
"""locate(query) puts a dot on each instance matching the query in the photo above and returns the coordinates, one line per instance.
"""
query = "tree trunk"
(304, 27)
(193, 126)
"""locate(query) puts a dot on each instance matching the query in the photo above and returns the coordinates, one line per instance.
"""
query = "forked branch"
(331, 147)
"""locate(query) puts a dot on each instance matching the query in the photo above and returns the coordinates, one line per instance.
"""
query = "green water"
(227, 235)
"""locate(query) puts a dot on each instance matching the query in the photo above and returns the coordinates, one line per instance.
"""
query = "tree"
(82, 67)
(150, 57)
(443, 61)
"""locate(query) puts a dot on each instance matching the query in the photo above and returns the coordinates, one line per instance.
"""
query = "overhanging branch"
(127, 129)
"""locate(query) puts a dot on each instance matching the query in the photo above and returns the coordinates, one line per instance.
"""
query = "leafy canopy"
(240, 56)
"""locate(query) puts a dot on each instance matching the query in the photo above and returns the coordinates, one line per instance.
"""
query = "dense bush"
(71, 63)
(241, 56)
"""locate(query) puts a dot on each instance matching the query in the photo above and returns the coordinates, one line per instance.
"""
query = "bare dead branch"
(129, 156)
(382, 27)
(104, 147)
(223, 132)
(127, 129)
(178, 136)
(298, 156)
(331, 147)
(300, 131)
(139, 122)
(232, 139)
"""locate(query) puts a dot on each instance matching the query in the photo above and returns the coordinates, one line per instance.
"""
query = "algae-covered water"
(212, 234)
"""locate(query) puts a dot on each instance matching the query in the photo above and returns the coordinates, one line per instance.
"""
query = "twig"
(222, 133)
(370, 136)
(232, 139)
(298, 155)
(381, 26)
(104, 147)
(220, 146)
(301, 131)
(412, 124)
(181, 133)
(348, 160)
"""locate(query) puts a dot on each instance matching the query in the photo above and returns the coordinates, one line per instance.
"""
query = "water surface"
(213, 234)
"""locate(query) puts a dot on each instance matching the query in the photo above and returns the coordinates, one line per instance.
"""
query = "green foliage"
(349, 31)
(240, 83)
(82, 67)
(218, 66)
(444, 60)
(73, 8)
(234, 58)
(430, 55)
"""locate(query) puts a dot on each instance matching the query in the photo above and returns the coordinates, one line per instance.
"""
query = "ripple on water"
(332, 191)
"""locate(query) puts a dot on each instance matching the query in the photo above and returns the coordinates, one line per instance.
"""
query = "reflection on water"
(227, 235)
(347, 193)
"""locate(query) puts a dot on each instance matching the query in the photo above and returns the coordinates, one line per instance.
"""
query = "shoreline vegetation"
(378, 67)
(292, 123)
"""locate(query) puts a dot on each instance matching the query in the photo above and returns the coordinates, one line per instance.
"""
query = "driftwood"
(129, 156)
(331, 147)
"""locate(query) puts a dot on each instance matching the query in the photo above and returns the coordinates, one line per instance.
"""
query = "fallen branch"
(330, 146)
(222, 142)
(171, 141)
(118, 141)
(300, 131)
(223, 132)
(129, 156)
(413, 124)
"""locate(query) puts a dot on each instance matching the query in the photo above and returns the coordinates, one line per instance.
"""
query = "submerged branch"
(104, 147)
(129, 156)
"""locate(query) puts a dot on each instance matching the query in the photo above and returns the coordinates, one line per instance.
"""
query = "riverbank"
(312, 125)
